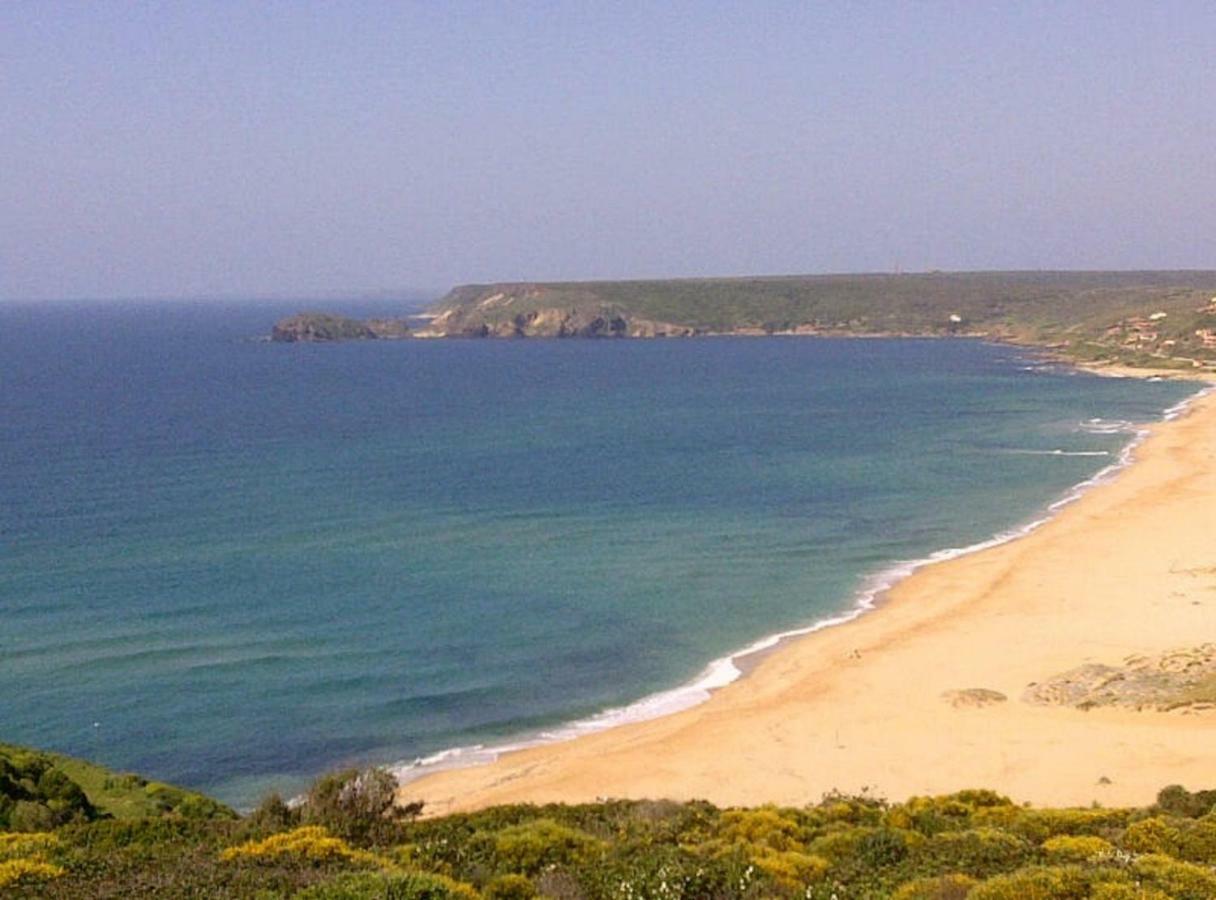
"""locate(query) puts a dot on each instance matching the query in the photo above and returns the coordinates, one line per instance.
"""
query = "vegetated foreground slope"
(40, 790)
(1130, 316)
(346, 839)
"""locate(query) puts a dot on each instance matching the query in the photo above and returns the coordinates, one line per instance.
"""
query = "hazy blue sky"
(245, 147)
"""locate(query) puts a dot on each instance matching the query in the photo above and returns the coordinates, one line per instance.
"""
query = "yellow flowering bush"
(311, 843)
(23, 857)
(841, 842)
(510, 887)
(789, 867)
(1034, 883)
(1154, 835)
(1120, 891)
(1197, 840)
(1037, 825)
(14, 871)
(379, 885)
(949, 813)
(763, 827)
(944, 887)
(531, 846)
(1075, 848)
(17, 843)
(1182, 880)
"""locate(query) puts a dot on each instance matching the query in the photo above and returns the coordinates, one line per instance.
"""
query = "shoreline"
(455, 770)
(725, 670)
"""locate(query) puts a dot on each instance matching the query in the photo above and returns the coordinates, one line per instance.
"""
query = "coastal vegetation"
(40, 790)
(347, 839)
(1153, 319)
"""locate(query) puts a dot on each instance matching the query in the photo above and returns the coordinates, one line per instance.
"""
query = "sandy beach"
(1126, 573)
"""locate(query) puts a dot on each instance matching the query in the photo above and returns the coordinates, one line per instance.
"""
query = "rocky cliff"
(310, 327)
(1153, 319)
(591, 321)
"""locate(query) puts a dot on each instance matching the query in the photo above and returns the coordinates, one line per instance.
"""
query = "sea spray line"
(724, 670)
(1057, 452)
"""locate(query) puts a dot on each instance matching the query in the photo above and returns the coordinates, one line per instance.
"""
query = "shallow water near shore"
(234, 564)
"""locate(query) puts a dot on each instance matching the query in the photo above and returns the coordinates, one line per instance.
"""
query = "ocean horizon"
(234, 564)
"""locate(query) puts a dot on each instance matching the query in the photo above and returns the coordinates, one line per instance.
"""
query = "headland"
(1161, 319)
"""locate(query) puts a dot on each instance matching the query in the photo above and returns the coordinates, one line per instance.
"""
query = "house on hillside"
(1139, 330)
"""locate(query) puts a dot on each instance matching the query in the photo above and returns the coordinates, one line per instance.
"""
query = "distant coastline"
(1161, 320)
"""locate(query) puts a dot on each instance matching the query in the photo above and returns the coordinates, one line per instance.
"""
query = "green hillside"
(1084, 315)
(39, 789)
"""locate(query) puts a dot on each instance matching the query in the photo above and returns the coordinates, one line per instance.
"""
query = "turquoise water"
(235, 564)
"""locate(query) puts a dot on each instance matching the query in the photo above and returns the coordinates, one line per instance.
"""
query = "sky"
(261, 148)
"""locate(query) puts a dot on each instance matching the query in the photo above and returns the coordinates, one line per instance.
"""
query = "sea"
(234, 564)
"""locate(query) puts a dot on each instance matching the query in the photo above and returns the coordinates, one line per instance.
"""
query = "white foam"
(1058, 452)
(722, 671)
(1107, 426)
(1184, 404)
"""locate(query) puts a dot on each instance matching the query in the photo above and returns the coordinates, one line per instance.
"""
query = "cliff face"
(310, 327)
(1139, 318)
(388, 329)
(536, 310)
(577, 322)
(1136, 318)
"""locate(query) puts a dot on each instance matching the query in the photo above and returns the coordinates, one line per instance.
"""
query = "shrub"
(390, 886)
(1178, 801)
(1037, 825)
(530, 846)
(771, 840)
(64, 797)
(1075, 848)
(1197, 840)
(943, 887)
(859, 809)
(273, 814)
(13, 845)
(1036, 883)
(24, 871)
(929, 815)
(150, 836)
(36, 795)
(662, 871)
(23, 859)
(357, 805)
(30, 815)
(1181, 880)
(884, 847)
(760, 827)
(1155, 835)
(840, 843)
(510, 887)
(1114, 890)
(310, 844)
(790, 868)
(559, 885)
(979, 851)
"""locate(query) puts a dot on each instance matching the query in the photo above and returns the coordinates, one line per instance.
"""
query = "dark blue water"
(234, 564)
